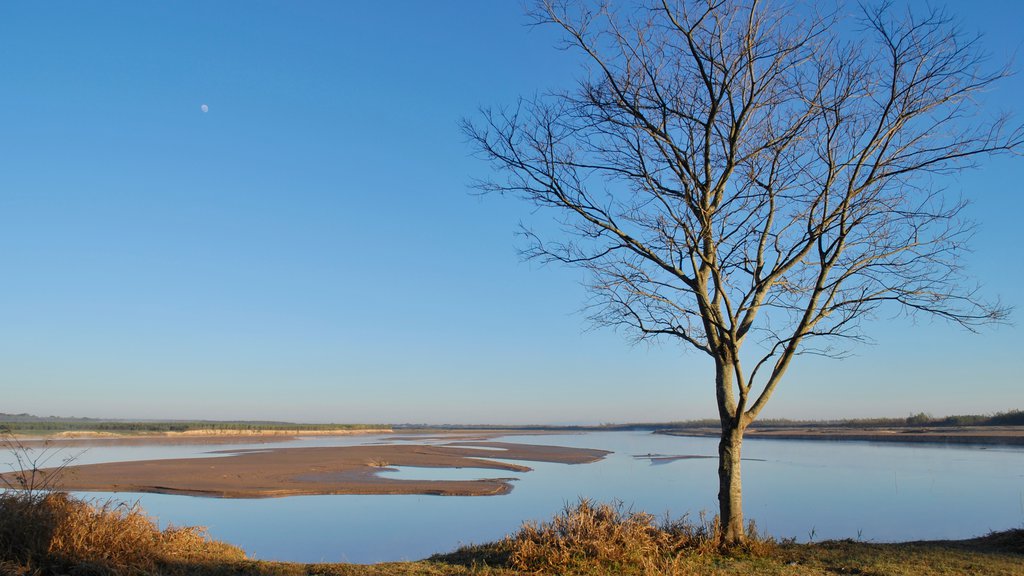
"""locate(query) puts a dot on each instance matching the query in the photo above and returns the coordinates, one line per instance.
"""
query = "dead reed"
(47, 533)
(589, 536)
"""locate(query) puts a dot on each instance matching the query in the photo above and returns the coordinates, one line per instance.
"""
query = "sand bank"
(87, 439)
(274, 472)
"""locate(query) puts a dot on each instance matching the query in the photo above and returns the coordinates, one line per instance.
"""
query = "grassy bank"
(56, 534)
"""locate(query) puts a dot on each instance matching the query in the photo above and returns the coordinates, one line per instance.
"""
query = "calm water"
(800, 489)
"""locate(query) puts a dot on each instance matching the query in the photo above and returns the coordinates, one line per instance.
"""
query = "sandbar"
(275, 472)
(85, 439)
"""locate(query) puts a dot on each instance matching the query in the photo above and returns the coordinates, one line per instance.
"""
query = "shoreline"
(965, 435)
(97, 438)
(960, 435)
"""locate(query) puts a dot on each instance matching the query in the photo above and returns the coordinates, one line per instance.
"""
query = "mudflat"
(274, 472)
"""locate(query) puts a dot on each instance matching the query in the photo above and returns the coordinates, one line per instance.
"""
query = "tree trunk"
(730, 488)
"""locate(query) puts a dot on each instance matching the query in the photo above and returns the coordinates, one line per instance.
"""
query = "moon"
(204, 108)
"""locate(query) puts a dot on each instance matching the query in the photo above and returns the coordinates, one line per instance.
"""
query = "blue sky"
(309, 250)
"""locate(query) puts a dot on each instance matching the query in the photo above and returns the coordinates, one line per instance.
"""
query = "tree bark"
(730, 489)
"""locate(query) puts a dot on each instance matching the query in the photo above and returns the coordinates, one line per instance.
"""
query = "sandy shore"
(87, 439)
(272, 472)
(1007, 435)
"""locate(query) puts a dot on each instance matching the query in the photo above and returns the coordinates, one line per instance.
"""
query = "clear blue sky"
(308, 248)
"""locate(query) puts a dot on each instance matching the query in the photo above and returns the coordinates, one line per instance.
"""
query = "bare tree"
(33, 471)
(754, 179)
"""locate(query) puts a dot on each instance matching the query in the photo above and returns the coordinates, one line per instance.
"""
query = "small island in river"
(275, 472)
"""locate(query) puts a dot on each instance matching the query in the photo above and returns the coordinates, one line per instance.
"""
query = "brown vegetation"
(591, 537)
(55, 533)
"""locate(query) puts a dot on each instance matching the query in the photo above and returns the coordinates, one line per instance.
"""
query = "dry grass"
(589, 536)
(999, 554)
(52, 533)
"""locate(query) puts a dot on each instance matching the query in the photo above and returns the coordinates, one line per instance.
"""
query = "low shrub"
(54, 532)
(590, 536)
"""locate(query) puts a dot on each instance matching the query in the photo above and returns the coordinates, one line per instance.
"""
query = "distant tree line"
(85, 425)
(28, 423)
(1009, 418)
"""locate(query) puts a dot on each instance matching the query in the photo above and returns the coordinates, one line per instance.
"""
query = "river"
(808, 490)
